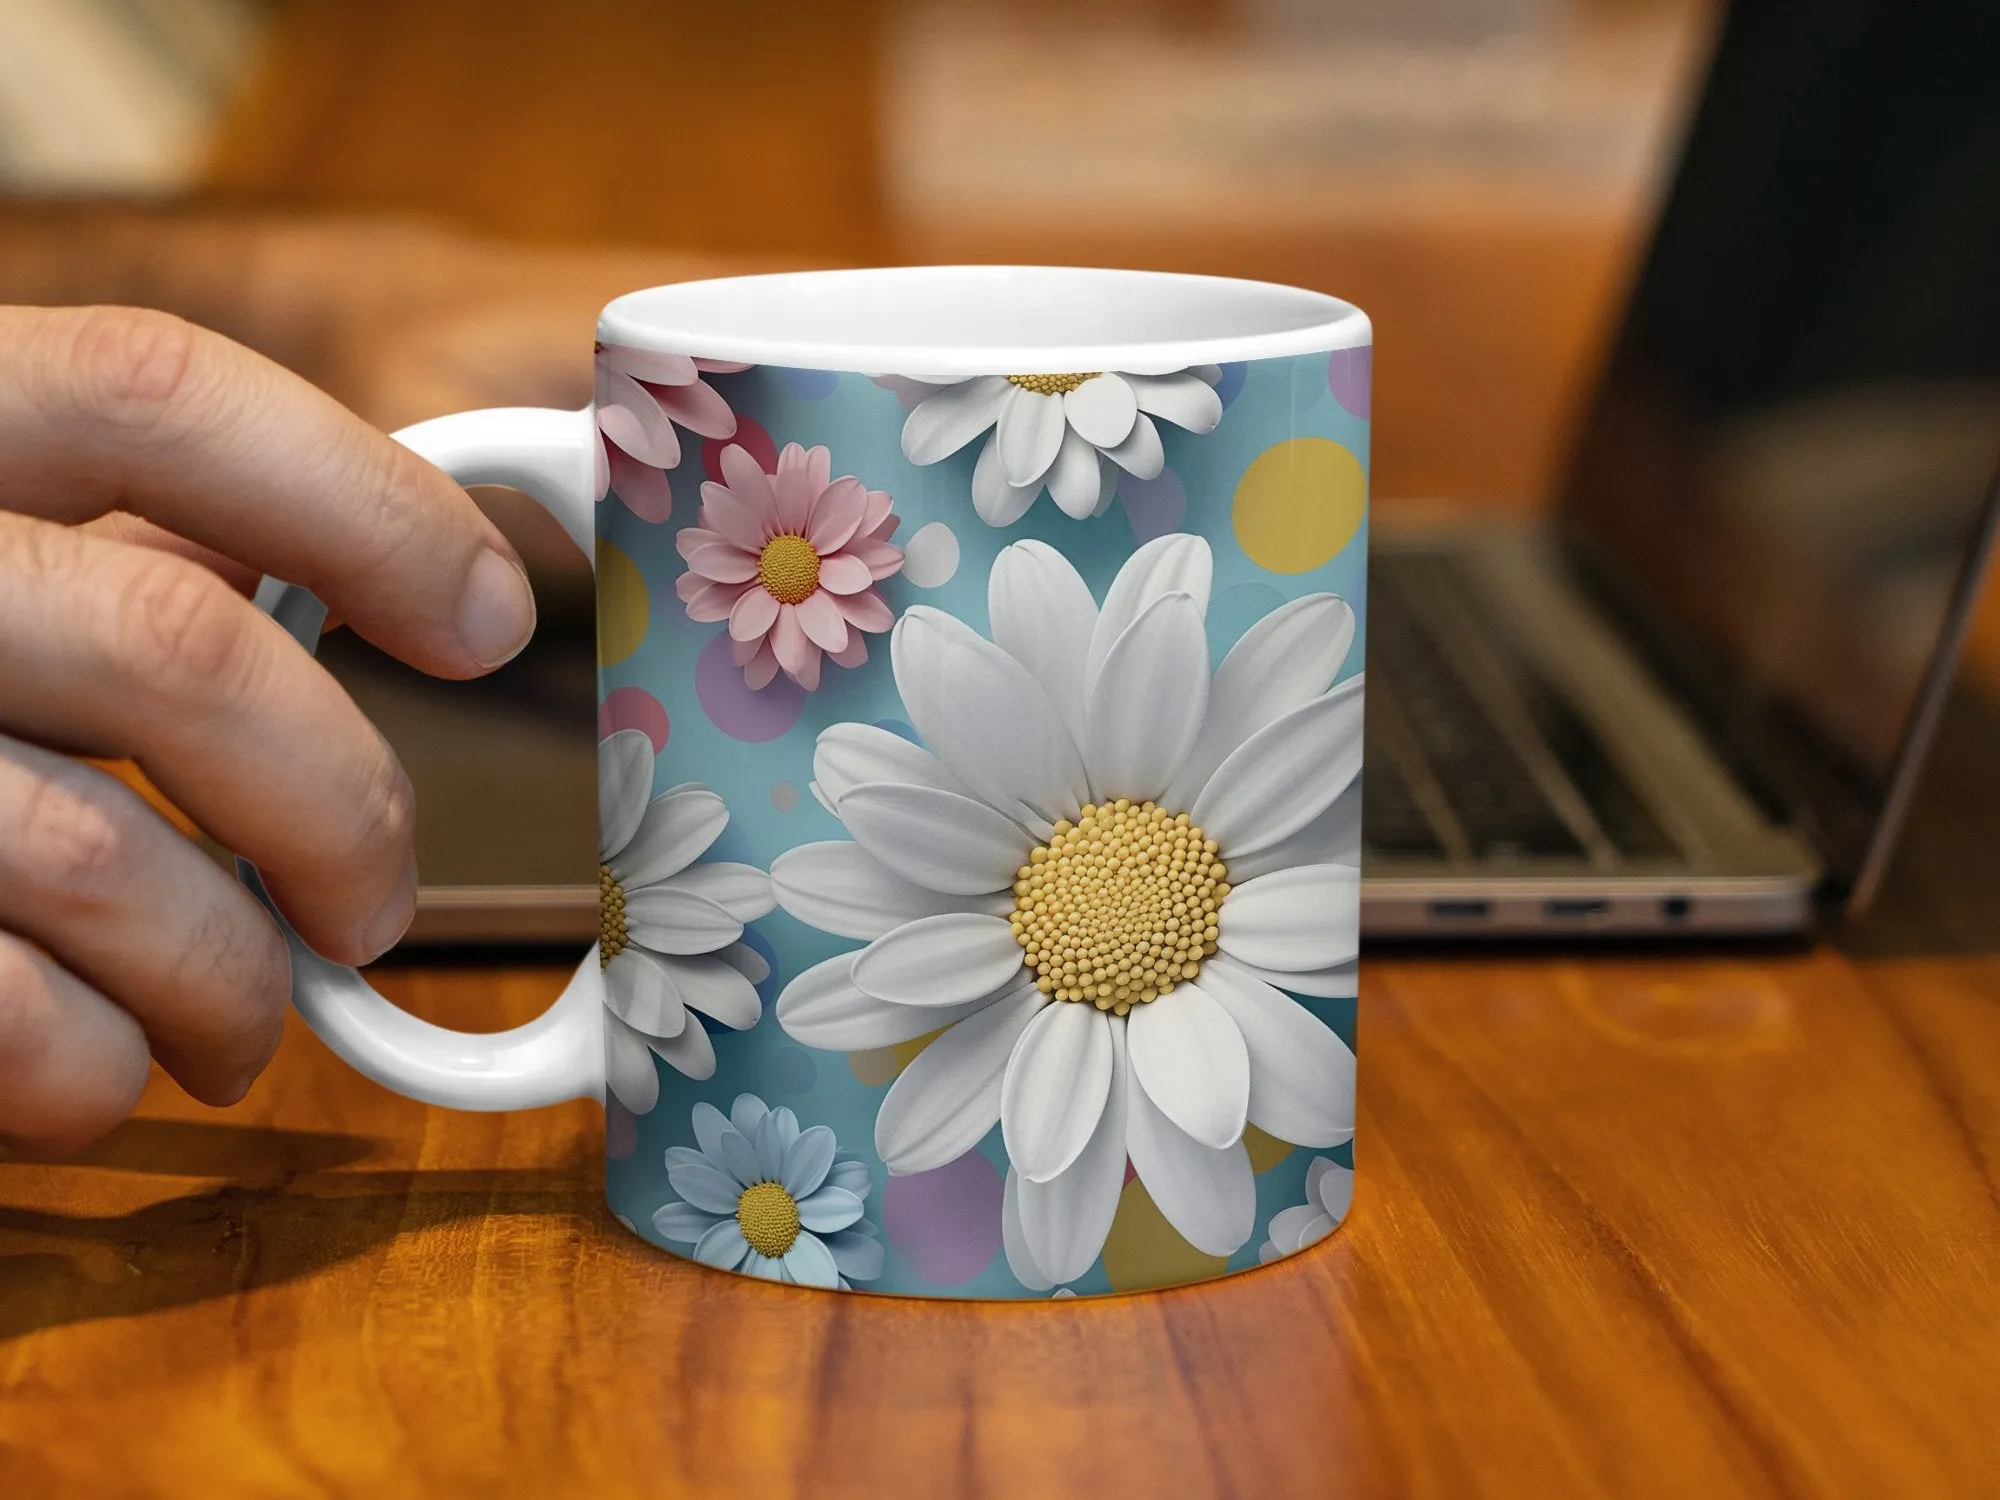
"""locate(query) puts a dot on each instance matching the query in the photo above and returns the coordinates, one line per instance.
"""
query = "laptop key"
(1392, 821)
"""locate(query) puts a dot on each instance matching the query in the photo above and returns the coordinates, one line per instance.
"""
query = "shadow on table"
(287, 1215)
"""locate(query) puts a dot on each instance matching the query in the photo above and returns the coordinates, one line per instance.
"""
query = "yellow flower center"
(768, 1217)
(612, 939)
(1120, 906)
(789, 568)
(1052, 385)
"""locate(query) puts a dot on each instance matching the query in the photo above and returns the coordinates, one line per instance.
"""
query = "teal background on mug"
(943, 1230)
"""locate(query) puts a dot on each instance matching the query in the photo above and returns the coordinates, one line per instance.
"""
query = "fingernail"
(496, 613)
(393, 920)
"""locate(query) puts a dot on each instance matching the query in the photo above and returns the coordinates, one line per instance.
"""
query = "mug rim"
(938, 322)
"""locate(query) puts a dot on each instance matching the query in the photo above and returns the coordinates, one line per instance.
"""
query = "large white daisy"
(1329, 1194)
(1070, 434)
(669, 929)
(1100, 880)
(761, 1196)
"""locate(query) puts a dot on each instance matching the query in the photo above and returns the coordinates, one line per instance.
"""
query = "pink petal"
(795, 490)
(788, 640)
(738, 520)
(719, 366)
(844, 573)
(688, 538)
(601, 470)
(762, 668)
(836, 515)
(819, 467)
(856, 652)
(754, 614)
(740, 471)
(708, 602)
(875, 513)
(643, 488)
(887, 529)
(698, 408)
(722, 562)
(745, 652)
(865, 611)
(632, 419)
(648, 364)
(883, 558)
(808, 677)
(821, 620)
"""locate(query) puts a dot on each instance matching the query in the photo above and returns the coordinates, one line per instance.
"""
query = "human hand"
(149, 472)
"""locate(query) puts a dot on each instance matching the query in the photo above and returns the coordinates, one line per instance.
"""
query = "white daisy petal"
(746, 961)
(1014, 1239)
(1065, 1220)
(1042, 615)
(1140, 455)
(859, 1256)
(624, 783)
(828, 1210)
(1210, 1196)
(746, 1113)
(987, 718)
(846, 755)
(997, 502)
(1175, 563)
(739, 1159)
(823, 1008)
(940, 961)
(1107, 484)
(709, 1124)
(853, 1176)
(715, 988)
(1030, 434)
(1145, 708)
(1073, 479)
(675, 830)
(1304, 918)
(805, 1165)
(1185, 400)
(1301, 1072)
(690, 1054)
(940, 840)
(682, 1223)
(1332, 838)
(770, 1150)
(1053, 1094)
(755, 1264)
(1288, 1224)
(723, 1246)
(640, 992)
(743, 891)
(1102, 410)
(704, 1184)
(1286, 659)
(841, 888)
(945, 1101)
(628, 1067)
(1190, 1059)
(1268, 1252)
(1335, 982)
(668, 919)
(810, 1263)
(946, 421)
(1334, 1190)
(1284, 775)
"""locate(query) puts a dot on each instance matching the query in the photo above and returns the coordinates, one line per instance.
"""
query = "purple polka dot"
(749, 436)
(946, 1223)
(733, 707)
(633, 708)
(621, 1131)
(1153, 506)
(1231, 384)
(808, 385)
(1347, 376)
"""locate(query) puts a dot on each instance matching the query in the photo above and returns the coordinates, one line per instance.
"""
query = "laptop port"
(1461, 911)
(1676, 908)
(1581, 910)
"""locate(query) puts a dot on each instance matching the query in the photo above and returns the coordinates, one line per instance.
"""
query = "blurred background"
(420, 204)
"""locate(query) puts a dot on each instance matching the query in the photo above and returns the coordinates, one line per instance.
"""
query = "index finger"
(107, 409)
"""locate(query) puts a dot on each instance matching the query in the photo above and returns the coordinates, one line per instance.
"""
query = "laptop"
(1695, 697)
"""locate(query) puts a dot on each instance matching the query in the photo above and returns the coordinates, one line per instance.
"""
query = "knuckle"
(182, 630)
(238, 956)
(24, 1011)
(385, 820)
(71, 844)
(133, 365)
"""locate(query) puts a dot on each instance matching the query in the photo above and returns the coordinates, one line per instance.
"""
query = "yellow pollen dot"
(768, 1217)
(1052, 385)
(612, 939)
(789, 569)
(1104, 912)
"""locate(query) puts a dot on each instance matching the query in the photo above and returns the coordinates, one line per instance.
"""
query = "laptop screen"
(1785, 477)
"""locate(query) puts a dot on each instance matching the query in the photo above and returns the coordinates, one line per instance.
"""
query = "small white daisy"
(668, 928)
(761, 1196)
(1070, 434)
(1329, 1191)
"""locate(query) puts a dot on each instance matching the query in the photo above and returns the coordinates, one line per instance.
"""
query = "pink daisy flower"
(791, 561)
(641, 393)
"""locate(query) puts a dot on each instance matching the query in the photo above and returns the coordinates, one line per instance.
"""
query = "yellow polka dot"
(1143, 1250)
(1299, 504)
(623, 610)
(1266, 1151)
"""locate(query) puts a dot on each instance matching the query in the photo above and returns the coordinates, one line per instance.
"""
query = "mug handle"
(553, 457)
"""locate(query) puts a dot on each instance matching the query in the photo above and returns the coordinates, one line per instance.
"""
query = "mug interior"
(956, 321)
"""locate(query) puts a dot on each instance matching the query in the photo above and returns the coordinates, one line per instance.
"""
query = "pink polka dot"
(1347, 377)
(633, 708)
(946, 1223)
(733, 707)
(751, 437)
